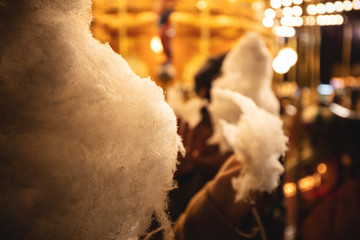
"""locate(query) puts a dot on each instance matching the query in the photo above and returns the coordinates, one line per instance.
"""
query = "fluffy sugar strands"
(88, 148)
(259, 137)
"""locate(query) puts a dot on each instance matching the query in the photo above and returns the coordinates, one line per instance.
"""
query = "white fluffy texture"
(88, 148)
(189, 111)
(259, 137)
(246, 69)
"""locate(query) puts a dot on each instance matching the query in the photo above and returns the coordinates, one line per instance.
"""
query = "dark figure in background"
(202, 161)
(166, 71)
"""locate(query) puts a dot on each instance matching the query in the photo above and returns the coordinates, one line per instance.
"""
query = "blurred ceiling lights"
(296, 13)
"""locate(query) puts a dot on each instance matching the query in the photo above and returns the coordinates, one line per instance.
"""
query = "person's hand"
(221, 191)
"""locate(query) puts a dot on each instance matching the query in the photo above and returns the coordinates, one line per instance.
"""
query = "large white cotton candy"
(88, 148)
(259, 137)
(246, 69)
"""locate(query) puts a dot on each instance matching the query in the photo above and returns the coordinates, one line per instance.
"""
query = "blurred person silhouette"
(203, 160)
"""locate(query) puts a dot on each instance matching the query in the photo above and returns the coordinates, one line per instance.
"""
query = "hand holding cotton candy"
(259, 137)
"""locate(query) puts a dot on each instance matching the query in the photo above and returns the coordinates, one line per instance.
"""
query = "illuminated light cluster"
(330, 7)
(286, 58)
(309, 21)
(290, 14)
(326, 20)
(306, 183)
(323, 20)
(291, 21)
(283, 31)
(268, 20)
(309, 182)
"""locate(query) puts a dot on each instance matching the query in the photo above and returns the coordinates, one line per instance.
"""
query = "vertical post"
(123, 38)
(346, 50)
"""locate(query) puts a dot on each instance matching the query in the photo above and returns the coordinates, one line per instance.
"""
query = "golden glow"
(306, 183)
(297, 2)
(321, 168)
(201, 5)
(156, 44)
(289, 189)
(257, 6)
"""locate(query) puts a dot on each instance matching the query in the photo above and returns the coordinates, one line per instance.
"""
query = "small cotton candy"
(247, 69)
(88, 148)
(189, 111)
(259, 137)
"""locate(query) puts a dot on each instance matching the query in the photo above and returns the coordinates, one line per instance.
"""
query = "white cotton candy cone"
(259, 137)
(88, 149)
(247, 70)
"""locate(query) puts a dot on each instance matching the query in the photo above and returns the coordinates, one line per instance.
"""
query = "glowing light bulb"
(289, 189)
(321, 168)
(306, 183)
(287, 11)
(289, 54)
(297, 2)
(268, 22)
(156, 44)
(275, 3)
(283, 31)
(286, 3)
(201, 5)
(330, 8)
(320, 8)
(311, 9)
(339, 6)
(340, 19)
(297, 11)
(348, 5)
(270, 13)
(356, 4)
(280, 65)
